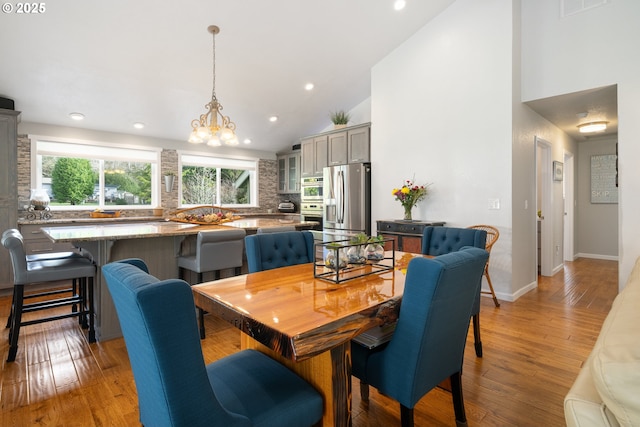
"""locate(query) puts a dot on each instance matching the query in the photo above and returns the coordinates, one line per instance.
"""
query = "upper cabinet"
(339, 147)
(314, 155)
(289, 173)
(358, 145)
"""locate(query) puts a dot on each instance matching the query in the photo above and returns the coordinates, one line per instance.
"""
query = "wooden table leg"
(328, 372)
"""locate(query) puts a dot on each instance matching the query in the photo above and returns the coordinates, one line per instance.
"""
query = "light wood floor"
(533, 349)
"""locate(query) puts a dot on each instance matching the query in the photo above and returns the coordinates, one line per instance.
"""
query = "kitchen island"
(159, 243)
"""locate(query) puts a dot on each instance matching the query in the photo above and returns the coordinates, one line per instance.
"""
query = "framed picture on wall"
(558, 171)
(603, 179)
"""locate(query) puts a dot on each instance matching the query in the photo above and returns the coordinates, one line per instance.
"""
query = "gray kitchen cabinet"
(289, 172)
(314, 155)
(8, 185)
(358, 145)
(336, 147)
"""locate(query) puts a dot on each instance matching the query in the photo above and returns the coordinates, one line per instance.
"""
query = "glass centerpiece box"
(344, 260)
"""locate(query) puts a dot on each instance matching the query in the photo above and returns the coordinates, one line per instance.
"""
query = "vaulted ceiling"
(120, 62)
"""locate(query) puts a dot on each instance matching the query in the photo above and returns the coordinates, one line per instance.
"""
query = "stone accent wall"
(169, 164)
(24, 172)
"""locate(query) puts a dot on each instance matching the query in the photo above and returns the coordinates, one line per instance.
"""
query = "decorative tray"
(344, 260)
(105, 214)
(204, 215)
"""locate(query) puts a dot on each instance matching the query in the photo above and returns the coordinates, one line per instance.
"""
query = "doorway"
(544, 217)
(568, 195)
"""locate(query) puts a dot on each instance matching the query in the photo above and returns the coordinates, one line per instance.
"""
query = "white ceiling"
(120, 62)
(566, 111)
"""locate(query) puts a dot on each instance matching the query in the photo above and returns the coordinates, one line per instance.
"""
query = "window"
(83, 174)
(218, 181)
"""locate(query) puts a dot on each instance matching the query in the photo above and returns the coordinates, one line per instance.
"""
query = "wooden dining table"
(306, 322)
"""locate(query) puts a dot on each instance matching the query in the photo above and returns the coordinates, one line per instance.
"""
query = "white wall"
(588, 50)
(441, 112)
(597, 226)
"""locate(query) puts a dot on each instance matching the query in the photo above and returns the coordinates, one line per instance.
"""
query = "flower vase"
(407, 212)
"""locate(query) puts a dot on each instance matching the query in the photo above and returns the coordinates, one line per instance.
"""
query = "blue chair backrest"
(429, 339)
(274, 250)
(443, 240)
(159, 325)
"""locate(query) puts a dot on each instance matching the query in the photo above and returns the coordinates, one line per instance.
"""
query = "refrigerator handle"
(340, 201)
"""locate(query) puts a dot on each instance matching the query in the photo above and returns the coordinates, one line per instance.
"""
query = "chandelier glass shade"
(213, 127)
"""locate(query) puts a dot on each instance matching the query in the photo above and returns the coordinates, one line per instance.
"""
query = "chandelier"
(213, 127)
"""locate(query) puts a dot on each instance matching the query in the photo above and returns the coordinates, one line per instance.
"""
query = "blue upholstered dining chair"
(428, 344)
(443, 240)
(175, 387)
(274, 250)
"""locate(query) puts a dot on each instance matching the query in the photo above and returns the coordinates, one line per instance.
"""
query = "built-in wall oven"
(311, 200)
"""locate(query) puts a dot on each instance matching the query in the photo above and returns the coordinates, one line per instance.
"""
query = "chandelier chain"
(213, 67)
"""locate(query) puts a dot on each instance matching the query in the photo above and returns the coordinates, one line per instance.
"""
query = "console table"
(407, 234)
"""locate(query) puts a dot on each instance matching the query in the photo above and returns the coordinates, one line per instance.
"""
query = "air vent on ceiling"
(572, 7)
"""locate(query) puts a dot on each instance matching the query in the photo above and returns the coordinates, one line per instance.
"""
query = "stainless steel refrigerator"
(347, 201)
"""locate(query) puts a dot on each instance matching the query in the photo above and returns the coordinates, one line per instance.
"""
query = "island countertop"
(139, 230)
(159, 243)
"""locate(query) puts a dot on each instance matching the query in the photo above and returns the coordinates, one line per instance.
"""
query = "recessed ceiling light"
(308, 86)
(138, 125)
(247, 141)
(399, 4)
(76, 116)
(273, 118)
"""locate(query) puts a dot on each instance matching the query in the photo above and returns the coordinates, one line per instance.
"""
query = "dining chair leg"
(406, 416)
(74, 291)
(92, 331)
(14, 332)
(10, 319)
(201, 322)
(364, 391)
(10, 312)
(477, 342)
(84, 307)
(458, 401)
(493, 293)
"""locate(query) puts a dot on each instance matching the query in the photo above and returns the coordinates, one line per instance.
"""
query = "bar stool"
(43, 270)
(51, 256)
(215, 250)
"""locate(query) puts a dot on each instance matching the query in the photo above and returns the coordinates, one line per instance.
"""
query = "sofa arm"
(583, 406)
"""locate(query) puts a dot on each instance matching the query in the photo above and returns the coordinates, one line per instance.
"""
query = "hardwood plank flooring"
(533, 350)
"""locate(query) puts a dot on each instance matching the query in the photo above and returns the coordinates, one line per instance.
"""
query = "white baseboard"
(597, 256)
(531, 286)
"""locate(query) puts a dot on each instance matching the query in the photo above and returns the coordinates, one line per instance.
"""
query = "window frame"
(77, 148)
(213, 160)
